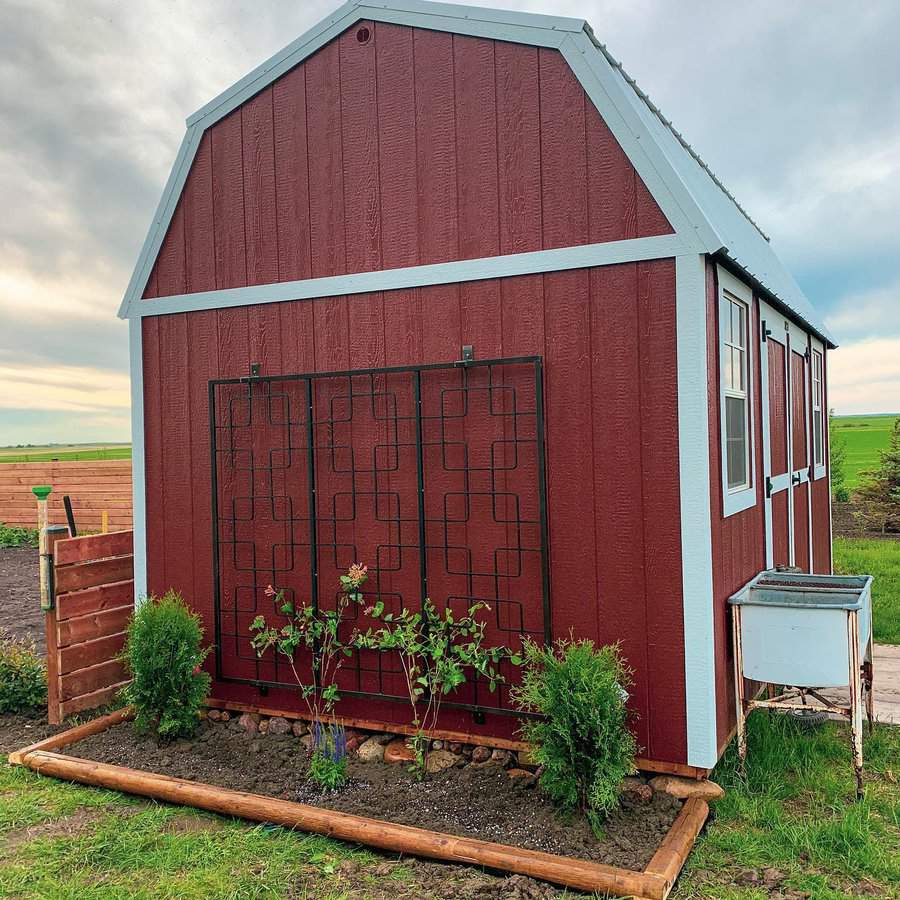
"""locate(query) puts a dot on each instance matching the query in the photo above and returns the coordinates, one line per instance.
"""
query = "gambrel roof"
(701, 210)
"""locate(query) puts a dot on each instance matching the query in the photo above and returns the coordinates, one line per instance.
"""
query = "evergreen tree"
(879, 493)
(838, 457)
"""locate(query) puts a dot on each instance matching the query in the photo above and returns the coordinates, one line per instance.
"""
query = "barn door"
(786, 450)
(431, 475)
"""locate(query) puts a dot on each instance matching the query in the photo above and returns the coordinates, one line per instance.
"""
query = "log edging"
(653, 883)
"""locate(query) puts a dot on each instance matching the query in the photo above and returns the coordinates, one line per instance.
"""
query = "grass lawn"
(863, 436)
(788, 824)
(871, 556)
(65, 453)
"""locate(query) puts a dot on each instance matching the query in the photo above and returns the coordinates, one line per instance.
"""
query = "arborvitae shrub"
(163, 655)
(582, 743)
(23, 676)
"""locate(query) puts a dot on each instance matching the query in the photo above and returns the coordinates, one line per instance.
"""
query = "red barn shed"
(438, 289)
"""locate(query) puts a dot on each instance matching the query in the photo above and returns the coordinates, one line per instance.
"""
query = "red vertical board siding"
(415, 147)
(397, 163)
(199, 246)
(611, 430)
(326, 170)
(359, 158)
(619, 495)
(476, 136)
(518, 147)
(291, 175)
(662, 534)
(738, 540)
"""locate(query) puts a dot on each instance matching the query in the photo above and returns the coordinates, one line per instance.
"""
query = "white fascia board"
(479, 13)
(525, 28)
(696, 524)
(538, 261)
(599, 81)
(138, 480)
(161, 219)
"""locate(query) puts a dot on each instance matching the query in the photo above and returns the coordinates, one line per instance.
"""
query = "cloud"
(865, 377)
(795, 112)
(867, 313)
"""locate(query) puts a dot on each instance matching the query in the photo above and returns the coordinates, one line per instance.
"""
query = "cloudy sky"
(795, 105)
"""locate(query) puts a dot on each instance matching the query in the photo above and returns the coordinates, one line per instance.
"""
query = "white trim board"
(696, 517)
(538, 261)
(138, 480)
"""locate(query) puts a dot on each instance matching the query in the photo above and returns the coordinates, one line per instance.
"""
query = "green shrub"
(582, 743)
(163, 655)
(11, 536)
(23, 677)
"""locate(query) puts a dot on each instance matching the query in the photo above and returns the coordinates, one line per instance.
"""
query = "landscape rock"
(249, 722)
(636, 790)
(264, 726)
(438, 760)
(385, 738)
(299, 728)
(279, 725)
(225, 716)
(397, 752)
(455, 747)
(307, 742)
(214, 715)
(437, 745)
(481, 754)
(501, 757)
(522, 775)
(371, 750)
(684, 788)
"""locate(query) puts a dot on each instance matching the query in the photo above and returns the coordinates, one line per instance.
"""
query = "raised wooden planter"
(654, 883)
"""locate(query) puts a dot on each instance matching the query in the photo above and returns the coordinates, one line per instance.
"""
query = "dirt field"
(20, 609)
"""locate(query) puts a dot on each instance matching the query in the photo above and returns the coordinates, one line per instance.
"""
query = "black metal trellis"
(433, 475)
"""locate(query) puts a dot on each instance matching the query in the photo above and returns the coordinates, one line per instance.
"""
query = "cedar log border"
(654, 883)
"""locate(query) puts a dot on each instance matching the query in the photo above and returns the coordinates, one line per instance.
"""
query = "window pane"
(740, 370)
(736, 441)
(817, 437)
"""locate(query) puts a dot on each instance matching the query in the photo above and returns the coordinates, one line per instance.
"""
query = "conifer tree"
(879, 493)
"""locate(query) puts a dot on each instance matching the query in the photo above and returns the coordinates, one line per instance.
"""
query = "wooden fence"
(94, 598)
(94, 486)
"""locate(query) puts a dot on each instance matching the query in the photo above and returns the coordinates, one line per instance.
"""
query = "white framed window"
(736, 393)
(817, 376)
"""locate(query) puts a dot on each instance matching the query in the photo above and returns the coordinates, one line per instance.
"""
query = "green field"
(863, 436)
(881, 559)
(64, 452)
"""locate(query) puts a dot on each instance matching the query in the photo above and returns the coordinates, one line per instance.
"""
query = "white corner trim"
(696, 526)
(586, 256)
(733, 501)
(138, 481)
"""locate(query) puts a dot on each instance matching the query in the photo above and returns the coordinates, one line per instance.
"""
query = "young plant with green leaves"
(23, 676)
(318, 631)
(837, 447)
(436, 650)
(582, 741)
(163, 654)
(879, 491)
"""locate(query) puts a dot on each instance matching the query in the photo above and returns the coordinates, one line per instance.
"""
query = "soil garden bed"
(477, 800)
(486, 811)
